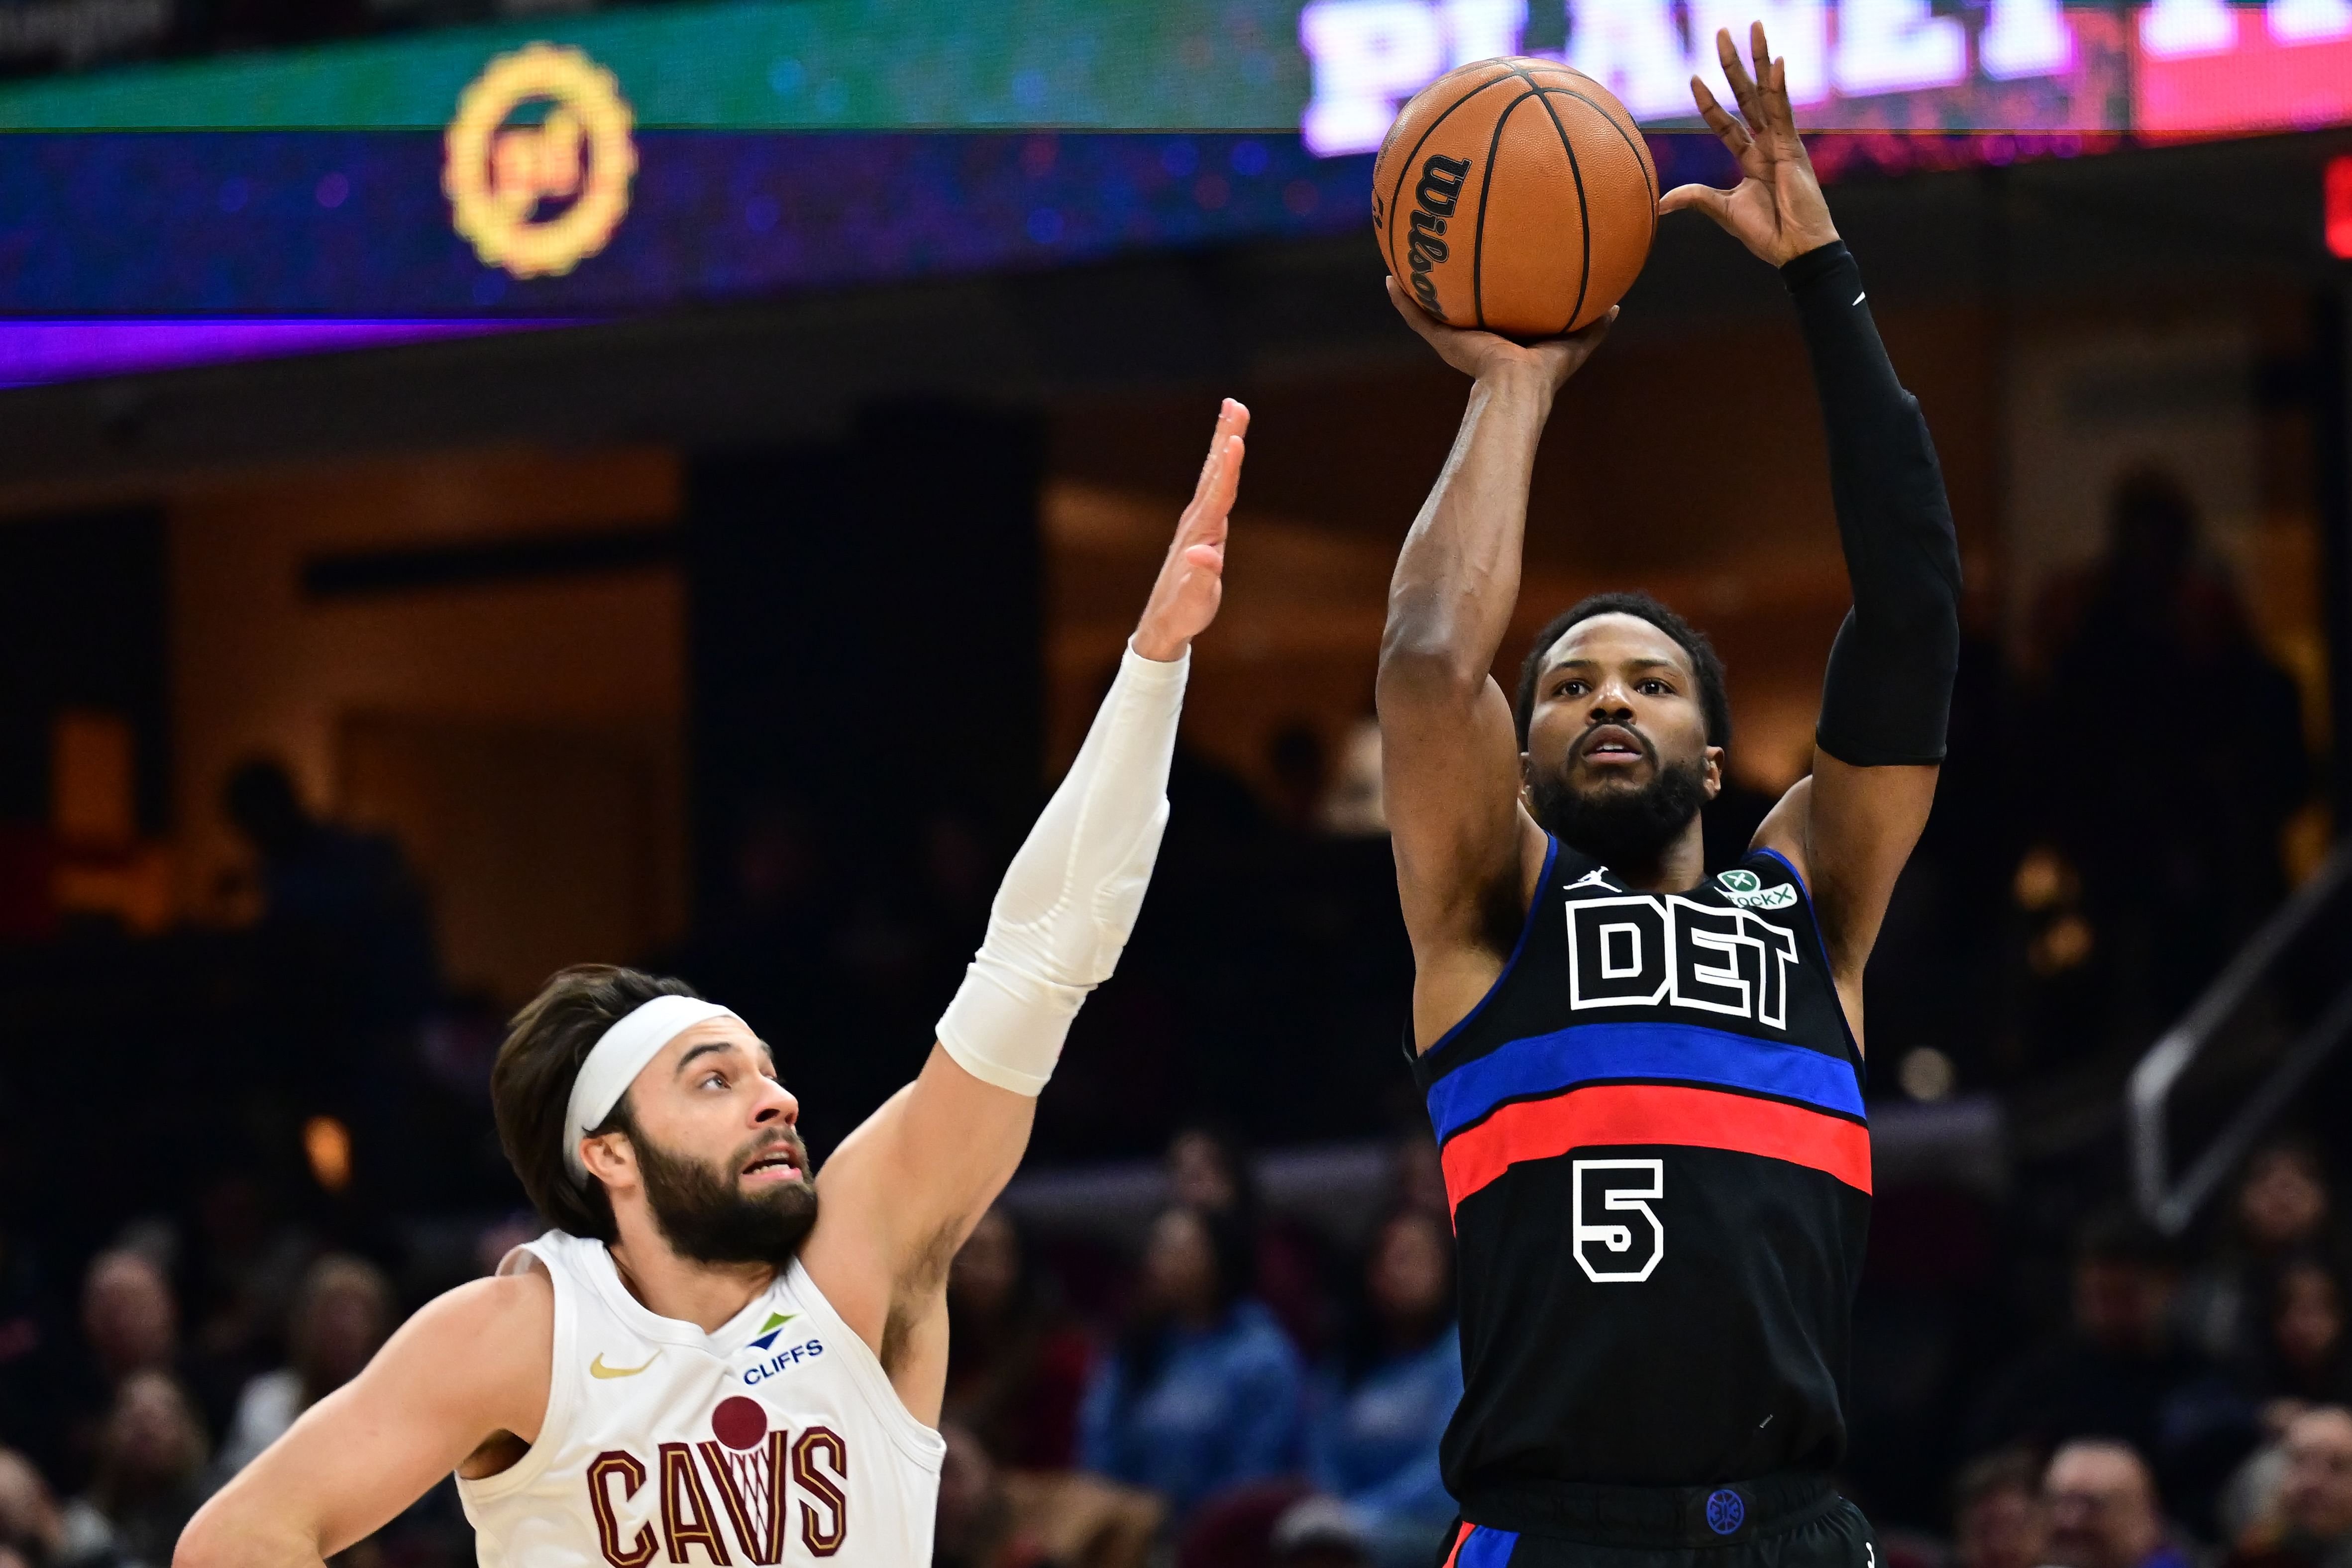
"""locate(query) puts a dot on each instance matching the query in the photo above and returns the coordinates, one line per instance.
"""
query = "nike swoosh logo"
(597, 1369)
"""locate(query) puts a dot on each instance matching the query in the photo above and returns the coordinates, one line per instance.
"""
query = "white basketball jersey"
(776, 1439)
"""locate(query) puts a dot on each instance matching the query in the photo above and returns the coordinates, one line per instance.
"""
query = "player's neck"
(1677, 868)
(704, 1294)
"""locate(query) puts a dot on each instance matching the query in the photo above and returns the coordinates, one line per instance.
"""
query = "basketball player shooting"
(722, 1354)
(1646, 1080)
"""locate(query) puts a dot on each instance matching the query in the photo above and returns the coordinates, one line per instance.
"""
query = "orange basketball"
(1516, 196)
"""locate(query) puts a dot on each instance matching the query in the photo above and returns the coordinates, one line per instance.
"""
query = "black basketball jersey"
(1652, 1135)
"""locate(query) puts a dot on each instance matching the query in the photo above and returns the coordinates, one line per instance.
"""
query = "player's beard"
(1618, 827)
(705, 1216)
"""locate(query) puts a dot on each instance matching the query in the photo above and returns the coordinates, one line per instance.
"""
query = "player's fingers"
(1759, 52)
(1735, 71)
(1776, 104)
(1415, 316)
(1207, 557)
(1221, 491)
(1206, 520)
(1707, 199)
(1225, 425)
(1726, 128)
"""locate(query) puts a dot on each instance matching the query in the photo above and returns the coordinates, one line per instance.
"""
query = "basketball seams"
(1388, 236)
(1625, 127)
(1583, 208)
(1640, 150)
(1486, 187)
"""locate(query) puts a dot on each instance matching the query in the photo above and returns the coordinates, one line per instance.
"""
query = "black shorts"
(1795, 1521)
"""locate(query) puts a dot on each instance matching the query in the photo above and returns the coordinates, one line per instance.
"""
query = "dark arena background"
(492, 483)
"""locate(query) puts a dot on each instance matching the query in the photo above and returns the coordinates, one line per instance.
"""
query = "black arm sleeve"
(1889, 687)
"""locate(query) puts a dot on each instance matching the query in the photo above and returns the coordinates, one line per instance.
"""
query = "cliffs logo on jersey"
(746, 1484)
(784, 1361)
(770, 1330)
(1640, 949)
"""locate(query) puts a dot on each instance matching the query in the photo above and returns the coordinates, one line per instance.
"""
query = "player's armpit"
(472, 1364)
(1849, 830)
(1466, 853)
(897, 1200)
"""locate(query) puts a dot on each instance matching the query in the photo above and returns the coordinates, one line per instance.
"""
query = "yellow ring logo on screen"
(500, 178)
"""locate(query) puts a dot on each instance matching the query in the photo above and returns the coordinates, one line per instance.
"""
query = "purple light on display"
(33, 353)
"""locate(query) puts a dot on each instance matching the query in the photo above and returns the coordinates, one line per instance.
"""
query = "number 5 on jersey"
(1629, 1193)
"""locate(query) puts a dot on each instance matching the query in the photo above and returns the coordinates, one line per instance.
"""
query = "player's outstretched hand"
(1482, 354)
(1192, 579)
(1776, 210)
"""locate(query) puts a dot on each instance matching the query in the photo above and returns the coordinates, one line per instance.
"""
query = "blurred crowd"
(1241, 1387)
(2040, 1378)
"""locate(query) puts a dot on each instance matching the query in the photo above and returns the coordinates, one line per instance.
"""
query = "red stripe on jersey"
(1632, 1113)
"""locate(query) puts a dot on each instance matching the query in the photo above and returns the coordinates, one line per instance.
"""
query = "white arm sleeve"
(1071, 895)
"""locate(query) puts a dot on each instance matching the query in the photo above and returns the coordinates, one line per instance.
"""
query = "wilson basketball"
(1515, 195)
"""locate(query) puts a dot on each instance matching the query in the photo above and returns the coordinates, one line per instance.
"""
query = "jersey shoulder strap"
(863, 1370)
(561, 1256)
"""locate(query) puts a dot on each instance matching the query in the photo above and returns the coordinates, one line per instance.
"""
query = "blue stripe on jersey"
(1486, 1548)
(1676, 1053)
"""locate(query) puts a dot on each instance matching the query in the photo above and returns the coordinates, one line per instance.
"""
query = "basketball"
(1515, 195)
(738, 1423)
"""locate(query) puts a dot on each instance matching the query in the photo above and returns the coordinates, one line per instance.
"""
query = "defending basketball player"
(1646, 1080)
(721, 1354)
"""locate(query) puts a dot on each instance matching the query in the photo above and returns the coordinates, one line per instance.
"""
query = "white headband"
(616, 1058)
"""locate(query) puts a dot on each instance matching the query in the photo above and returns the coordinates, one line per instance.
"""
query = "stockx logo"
(769, 1330)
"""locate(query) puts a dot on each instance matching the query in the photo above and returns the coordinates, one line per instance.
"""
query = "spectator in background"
(248, 1263)
(976, 1528)
(1210, 1169)
(129, 1324)
(128, 1316)
(30, 1523)
(2104, 1511)
(30, 1340)
(1420, 1177)
(1205, 1390)
(1382, 1405)
(2304, 1360)
(2308, 1523)
(2166, 917)
(342, 1314)
(345, 933)
(151, 1479)
(2118, 1372)
(1998, 1517)
(1322, 1532)
(2284, 1210)
(1016, 1365)
(993, 1518)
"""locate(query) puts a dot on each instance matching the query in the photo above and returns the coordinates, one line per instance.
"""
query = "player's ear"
(1714, 772)
(609, 1157)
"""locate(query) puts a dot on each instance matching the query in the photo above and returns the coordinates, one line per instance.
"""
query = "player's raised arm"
(903, 1191)
(1467, 854)
(466, 1376)
(1888, 691)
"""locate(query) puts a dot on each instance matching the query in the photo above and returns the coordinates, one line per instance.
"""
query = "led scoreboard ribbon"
(633, 158)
